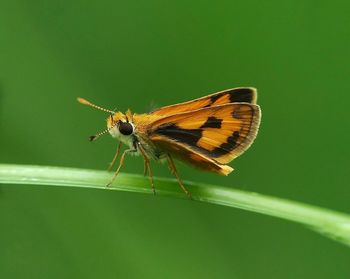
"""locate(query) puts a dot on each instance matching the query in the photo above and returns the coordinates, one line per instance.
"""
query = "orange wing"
(235, 95)
(213, 135)
(185, 153)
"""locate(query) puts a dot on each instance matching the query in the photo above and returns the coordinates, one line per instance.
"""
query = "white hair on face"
(128, 140)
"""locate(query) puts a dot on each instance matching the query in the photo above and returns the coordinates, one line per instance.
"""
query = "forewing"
(220, 133)
(235, 95)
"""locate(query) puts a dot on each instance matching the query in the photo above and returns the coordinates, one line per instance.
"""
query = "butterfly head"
(118, 124)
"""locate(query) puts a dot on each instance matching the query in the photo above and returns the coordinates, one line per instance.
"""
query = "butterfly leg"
(114, 158)
(147, 166)
(121, 162)
(175, 173)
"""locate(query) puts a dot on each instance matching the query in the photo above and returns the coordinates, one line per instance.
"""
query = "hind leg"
(175, 173)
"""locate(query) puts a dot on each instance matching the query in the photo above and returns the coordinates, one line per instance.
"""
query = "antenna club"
(86, 102)
(83, 101)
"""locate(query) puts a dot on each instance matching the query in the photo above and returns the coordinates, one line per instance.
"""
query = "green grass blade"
(330, 223)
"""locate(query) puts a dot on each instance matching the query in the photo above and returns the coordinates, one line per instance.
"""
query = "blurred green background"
(144, 54)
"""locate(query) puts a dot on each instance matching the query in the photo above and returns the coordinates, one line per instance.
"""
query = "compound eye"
(125, 128)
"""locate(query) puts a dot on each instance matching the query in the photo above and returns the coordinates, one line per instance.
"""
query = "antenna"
(87, 103)
(95, 137)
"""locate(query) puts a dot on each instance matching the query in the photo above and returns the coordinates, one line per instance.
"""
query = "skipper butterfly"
(207, 133)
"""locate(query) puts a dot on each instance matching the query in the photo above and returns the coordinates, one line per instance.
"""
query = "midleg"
(147, 166)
